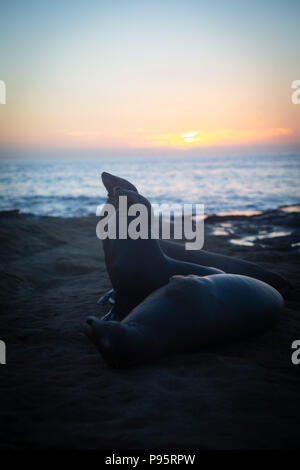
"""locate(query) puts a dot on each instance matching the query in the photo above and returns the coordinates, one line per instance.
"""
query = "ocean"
(72, 187)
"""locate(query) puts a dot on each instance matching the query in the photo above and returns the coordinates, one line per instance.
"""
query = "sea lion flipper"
(107, 297)
(117, 312)
(110, 316)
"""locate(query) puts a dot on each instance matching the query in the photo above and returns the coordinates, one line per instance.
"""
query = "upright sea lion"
(187, 315)
(177, 251)
(138, 267)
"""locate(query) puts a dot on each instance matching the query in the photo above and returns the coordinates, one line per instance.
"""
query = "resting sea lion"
(187, 315)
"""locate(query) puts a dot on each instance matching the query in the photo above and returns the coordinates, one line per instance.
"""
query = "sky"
(126, 76)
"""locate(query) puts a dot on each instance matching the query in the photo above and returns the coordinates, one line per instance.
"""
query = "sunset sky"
(127, 76)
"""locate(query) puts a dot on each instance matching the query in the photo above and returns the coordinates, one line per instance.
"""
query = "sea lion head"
(111, 181)
(118, 343)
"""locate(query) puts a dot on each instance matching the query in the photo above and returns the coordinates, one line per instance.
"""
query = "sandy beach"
(57, 392)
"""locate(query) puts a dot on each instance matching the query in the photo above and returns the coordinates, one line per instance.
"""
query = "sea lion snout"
(111, 181)
(107, 180)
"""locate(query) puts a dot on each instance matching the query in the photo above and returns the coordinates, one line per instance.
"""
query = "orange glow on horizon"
(212, 138)
(138, 138)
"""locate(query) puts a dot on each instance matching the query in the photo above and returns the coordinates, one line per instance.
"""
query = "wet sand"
(57, 392)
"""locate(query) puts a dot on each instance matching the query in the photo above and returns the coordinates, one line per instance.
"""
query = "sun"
(189, 134)
(190, 137)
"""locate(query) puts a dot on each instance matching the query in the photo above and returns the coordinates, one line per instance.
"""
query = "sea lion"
(177, 251)
(188, 314)
(138, 267)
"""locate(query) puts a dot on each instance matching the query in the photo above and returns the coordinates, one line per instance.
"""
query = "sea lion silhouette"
(187, 314)
(174, 250)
